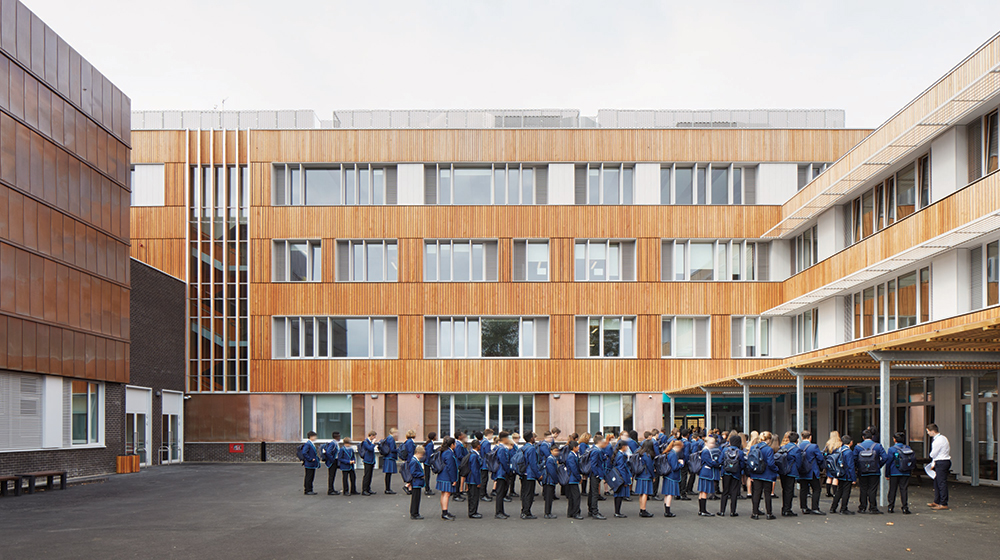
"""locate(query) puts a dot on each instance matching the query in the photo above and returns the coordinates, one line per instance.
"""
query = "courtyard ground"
(222, 511)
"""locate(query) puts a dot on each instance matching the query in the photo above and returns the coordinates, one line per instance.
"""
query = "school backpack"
(330, 451)
(464, 469)
(662, 465)
(383, 447)
(783, 461)
(492, 461)
(406, 474)
(755, 460)
(517, 462)
(868, 461)
(731, 460)
(562, 474)
(404, 453)
(835, 465)
(614, 479)
(694, 462)
(586, 467)
(905, 459)
(637, 465)
(300, 453)
(437, 462)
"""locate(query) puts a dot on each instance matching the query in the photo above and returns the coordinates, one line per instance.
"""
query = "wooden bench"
(48, 475)
(3, 485)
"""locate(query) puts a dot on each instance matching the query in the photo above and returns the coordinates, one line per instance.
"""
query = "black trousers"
(427, 477)
(787, 493)
(473, 499)
(843, 495)
(511, 482)
(594, 495)
(807, 486)
(656, 484)
(684, 481)
(760, 488)
(310, 476)
(902, 483)
(388, 481)
(415, 501)
(527, 496)
(868, 492)
(691, 480)
(573, 495)
(730, 491)
(331, 479)
(485, 484)
(366, 480)
(549, 494)
(583, 484)
(501, 492)
(941, 469)
(349, 476)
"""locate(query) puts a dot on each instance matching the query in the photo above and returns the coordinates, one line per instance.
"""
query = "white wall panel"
(561, 183)
(410, 184)
(647, 183)
(776, 182)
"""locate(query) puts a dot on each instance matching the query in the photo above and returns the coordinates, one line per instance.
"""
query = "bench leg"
(17, 487)
(3, 489)
(48, 483)
(31, 485)
(62, 481)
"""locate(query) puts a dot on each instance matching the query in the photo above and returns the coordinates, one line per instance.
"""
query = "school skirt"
(644, 487)
(623, 492)
(444, 486)
(389, 466)
(671, 487)
(706, 485)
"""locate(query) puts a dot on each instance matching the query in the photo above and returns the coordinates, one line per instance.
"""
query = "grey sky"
(868, 57)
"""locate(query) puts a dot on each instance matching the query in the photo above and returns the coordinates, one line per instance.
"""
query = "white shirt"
(940, 449)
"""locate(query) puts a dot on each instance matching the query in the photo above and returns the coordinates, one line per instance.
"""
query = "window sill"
(318, 358)
(685, 357)
(488, 358)
(71, 448)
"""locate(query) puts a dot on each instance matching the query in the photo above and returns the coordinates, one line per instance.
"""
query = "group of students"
(621, 467)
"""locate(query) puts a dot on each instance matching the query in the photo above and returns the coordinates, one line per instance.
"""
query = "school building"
(524, 269)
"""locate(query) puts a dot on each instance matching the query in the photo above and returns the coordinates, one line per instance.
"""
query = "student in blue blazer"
(417, 481)
(711, 471)
(448, 477)
(368, 452)
(329, 454)
(868, 482)
(428, 452)
(474, 478)
(584, 446)
(485, 446)
(598, 470)
(732, 468)
(310, 461)
(345, 459)
(672, 482)
(573, 487)
(502, 470)
(405, 451)
(789, 443)
(532, 473)
(619, 460)
(550, 477)
(644, 482)
(389, 463)
(844, 482)
(763, 483)
(894, 471)
(461, 439)
(809, 474)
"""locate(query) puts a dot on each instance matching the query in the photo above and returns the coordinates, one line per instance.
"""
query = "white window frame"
(352, 262)
(281, 178)
(800, 249)
(495, 192)
(94, 389)
(731, 189)
(798, 331)
(601, 319)
(607, 243)
(451, 243)
(601, 167)
(312, 428)
(738, 248)
(891, 208)
(489, 403)
(762, 334)
(694, 336)
(281, 325)
(982, 277)
(284, 245)
(538, 351)
(884, 312)
(528, 243)
(599, 398)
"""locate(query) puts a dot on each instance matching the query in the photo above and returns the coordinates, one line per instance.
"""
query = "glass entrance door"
(171, 451)
(135, 436)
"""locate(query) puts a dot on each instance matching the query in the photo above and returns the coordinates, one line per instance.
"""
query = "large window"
(985, 274)
(306, 338)
(531, 260)
(708, 183)
(325, 414)
(805, 331)
(685, 337)
(751, 337)
(604, 183)
(604, 260)
(610, 414)
(485, 184)
(147, 184)
(891, 200)
(486, 337)
(805, 249)
(605, 337)
(86, 403)
(914, 410)
(367, 260)
(897, 303)
(809, 171)
(476, 412)
(460, 260)
(719, 260)
(296, 261)
(356, 184)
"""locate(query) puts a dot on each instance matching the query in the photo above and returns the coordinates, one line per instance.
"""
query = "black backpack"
(755, 460)
(662, 465)
(835, 465)
(868, 461)
(905, 459)
(404, 453)
(562, 474)
(731, 460)
(637, 465)
(464, 469)
(300, 453)
(694, 463)
(783, 460)
(437, 462)
(585, 461)
(518, 463)
(492, 461)
(406, 474)
(383, 448)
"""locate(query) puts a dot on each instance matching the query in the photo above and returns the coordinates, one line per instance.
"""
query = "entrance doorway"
(138, 425)
(171, 436)
(727, 413)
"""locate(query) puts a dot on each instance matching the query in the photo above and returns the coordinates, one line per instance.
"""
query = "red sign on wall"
(236, 448)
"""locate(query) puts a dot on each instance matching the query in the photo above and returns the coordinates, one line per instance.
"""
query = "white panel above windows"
(148, 184)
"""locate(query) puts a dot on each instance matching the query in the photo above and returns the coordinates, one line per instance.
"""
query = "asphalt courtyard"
(221, 511)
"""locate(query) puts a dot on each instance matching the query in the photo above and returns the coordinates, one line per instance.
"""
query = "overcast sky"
(868, 57)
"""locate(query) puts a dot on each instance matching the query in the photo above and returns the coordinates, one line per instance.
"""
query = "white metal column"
(885, 427)
(800, 408)
(746, 409)
(708, 409)
(974, 431)
(673, 411)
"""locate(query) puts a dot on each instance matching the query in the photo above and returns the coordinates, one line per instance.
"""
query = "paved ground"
(258, 511)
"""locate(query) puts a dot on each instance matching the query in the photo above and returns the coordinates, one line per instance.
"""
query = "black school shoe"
(620, 516)
(406, 491)
(501, 516)
(846, 512)
(418, 516)
(309, 493)
(874, 511)
(550, 516)
(458, 499)
(528, 516)
(644, 513)
(905, 510)
(333, 493)
(734, 514)
(598, 516)
(486, 499)
(789, 514)
(770, 517)
(389, 492)
(704, 514)
(475, 516)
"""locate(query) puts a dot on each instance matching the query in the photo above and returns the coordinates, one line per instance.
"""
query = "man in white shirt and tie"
(940, 464)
